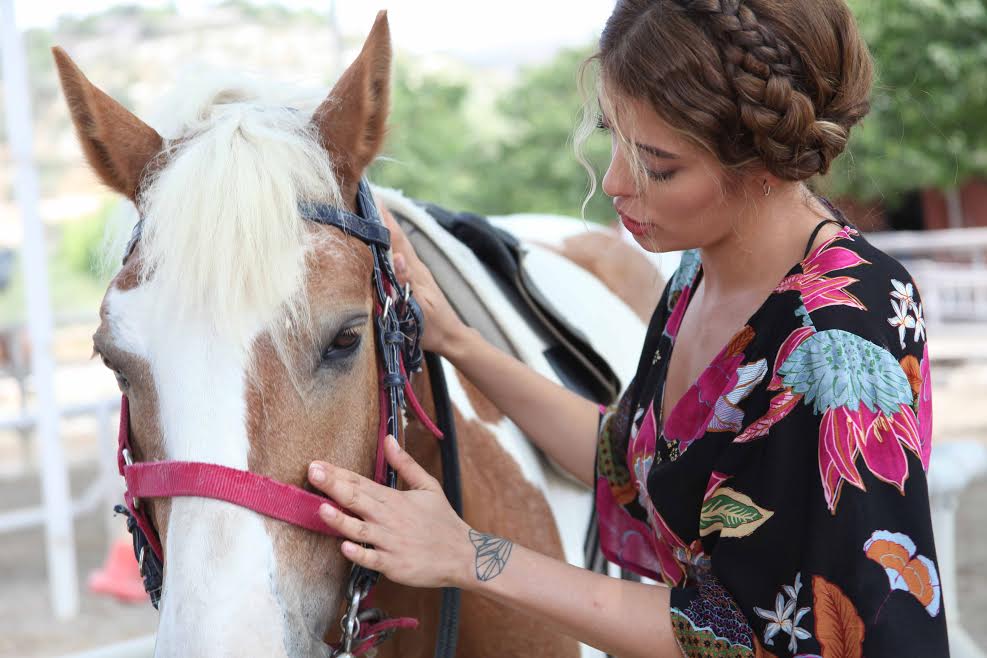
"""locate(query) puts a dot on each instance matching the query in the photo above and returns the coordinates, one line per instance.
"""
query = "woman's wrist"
(481, 557)
(462, 571)
(456, 343)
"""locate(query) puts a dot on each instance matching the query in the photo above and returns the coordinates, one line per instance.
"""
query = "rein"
(398, 324)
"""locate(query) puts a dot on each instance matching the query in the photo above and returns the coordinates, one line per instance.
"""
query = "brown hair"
(774, 84)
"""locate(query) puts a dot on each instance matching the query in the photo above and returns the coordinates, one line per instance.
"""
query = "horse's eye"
(342, 346)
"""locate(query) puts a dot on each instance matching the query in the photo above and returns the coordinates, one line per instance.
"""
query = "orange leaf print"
(839, 629)
(913, 371)
(906, 570)
(740, 341)
(778, 408)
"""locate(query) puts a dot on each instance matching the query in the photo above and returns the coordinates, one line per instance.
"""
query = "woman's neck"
(769, 237)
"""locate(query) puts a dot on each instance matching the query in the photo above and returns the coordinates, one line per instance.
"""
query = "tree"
(444, 150)
(535, 168)
(432, 150)
(928, 123)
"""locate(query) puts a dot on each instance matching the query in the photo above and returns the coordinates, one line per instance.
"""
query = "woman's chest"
(704, 334)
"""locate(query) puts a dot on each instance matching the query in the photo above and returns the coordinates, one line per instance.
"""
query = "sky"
(462, 27)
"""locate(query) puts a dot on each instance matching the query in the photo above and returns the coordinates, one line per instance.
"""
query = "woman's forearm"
(558, 421)
(619, 617)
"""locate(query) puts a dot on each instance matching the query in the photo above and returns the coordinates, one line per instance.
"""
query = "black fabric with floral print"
(784, 497)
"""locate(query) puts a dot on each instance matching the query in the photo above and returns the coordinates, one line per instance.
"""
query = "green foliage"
(81, 241)
(75, 279)
(514, 157)
(928, 124)
(535, 168)
(432, 150)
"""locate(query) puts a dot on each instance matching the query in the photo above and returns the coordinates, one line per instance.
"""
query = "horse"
(242, 336)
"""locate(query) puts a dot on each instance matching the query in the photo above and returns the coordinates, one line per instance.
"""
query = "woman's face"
(684, 200)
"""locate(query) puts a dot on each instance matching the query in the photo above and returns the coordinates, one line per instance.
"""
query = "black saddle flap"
(578, 365)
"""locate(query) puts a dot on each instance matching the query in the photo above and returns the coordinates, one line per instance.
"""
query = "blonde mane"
(223, 243)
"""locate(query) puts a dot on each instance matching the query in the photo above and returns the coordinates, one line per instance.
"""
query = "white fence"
(950, 267)
(104, 491)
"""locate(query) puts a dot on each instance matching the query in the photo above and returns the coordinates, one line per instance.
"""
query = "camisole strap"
(840, 219)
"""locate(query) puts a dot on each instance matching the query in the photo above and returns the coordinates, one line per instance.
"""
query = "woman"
(771, 471)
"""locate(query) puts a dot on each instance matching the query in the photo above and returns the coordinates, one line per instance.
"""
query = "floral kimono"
(784, 498)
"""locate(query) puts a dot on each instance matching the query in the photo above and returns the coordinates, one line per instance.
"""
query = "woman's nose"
(618, 181)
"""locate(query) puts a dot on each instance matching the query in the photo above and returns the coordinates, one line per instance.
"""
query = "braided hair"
(774, 83)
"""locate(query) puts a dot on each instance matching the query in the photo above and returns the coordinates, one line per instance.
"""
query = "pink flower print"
(794, 339)
(838, 447)
(691, 416)
(715, 480)
(623, 539)
(925, 411)
(817, 290)
(878, 437)
(884, 441)
(675, 321)
(865, 400)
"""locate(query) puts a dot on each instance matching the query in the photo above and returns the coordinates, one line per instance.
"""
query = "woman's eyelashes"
(654, 174)
(660, 176)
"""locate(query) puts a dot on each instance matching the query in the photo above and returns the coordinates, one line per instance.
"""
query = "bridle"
(398, 326)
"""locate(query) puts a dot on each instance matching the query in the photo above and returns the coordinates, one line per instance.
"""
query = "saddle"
(468, 256)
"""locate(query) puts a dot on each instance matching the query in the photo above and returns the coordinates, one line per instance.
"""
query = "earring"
(766, 187)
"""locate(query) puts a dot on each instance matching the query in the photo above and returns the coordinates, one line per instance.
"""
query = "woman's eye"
(601, 123)
(660, 176)
(344, 344)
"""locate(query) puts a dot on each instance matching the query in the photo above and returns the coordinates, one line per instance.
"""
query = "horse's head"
(242, 335)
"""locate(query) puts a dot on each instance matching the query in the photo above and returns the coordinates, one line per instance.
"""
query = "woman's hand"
(442, 324)
(417, 538)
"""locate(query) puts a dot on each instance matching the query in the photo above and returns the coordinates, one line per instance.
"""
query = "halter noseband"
(398, 325)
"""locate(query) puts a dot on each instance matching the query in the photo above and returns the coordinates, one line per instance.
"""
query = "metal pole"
(59, 539)
(337, 37)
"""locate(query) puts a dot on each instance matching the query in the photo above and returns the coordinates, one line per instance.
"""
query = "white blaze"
(219, 585)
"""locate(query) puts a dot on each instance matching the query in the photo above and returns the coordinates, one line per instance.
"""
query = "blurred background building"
(484, 103)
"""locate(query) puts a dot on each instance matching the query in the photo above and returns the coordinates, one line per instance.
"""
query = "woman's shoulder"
(850, 286)
(862, 333)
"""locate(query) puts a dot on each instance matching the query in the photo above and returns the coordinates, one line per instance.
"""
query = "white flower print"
(903, 292)
(902, 320)
(907, 312)
(780, 619)
(919, 322)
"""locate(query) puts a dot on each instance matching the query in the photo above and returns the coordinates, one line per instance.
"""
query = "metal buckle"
(129, 461)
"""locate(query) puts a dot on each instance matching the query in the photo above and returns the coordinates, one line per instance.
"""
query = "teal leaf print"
(684, 275)
(836, 368)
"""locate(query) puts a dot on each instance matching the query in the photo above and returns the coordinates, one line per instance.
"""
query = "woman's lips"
(635, 227)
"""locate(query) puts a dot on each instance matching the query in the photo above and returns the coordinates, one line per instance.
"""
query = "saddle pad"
(504, 288)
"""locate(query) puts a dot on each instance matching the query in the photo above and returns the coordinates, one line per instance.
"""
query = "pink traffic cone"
(120, 577)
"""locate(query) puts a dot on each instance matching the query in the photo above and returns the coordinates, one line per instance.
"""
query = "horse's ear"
(117, 144)
(351, 121)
